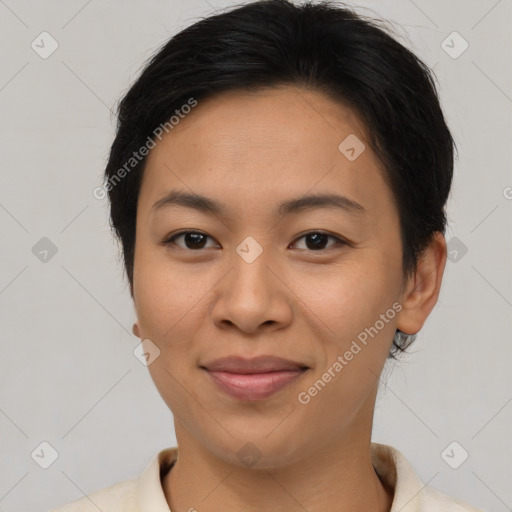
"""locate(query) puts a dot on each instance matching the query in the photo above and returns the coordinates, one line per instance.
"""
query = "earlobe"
(423, 287)
(135, 330)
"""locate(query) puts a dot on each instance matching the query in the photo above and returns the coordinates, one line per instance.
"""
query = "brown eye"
(192, 240)
(317, 241)
(195, 240)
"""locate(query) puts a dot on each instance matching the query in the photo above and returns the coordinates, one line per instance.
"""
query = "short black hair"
(324, 47)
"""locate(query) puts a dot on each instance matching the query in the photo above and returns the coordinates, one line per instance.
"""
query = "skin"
(252, 151)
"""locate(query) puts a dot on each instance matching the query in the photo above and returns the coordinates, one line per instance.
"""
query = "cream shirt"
(145, 493)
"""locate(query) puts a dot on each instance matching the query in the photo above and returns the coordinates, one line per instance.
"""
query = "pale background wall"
(67, 372)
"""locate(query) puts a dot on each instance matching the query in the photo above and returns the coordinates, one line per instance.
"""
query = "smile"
(254, 386)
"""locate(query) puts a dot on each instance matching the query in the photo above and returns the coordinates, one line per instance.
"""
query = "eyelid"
(169, 240)
(340, 241)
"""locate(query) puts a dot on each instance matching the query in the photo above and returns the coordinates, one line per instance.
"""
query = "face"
(306, 284)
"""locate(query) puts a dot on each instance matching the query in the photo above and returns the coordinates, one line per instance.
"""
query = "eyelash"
(339, 241)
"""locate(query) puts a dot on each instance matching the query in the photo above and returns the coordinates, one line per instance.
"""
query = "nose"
(253, 296)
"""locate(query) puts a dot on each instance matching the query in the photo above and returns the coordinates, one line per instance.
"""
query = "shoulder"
(434, 500)
(410, 493)
(116, 498)
(141, 493)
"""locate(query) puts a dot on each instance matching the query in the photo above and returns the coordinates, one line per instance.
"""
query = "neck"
(335, 476)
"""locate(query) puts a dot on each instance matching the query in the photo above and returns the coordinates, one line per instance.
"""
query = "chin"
(256, 451)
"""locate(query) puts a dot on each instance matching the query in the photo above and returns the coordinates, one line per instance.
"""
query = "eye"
(192, 239)
(195, 240)
(316, 240)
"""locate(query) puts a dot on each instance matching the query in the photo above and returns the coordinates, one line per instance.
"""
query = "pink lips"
(253, 379)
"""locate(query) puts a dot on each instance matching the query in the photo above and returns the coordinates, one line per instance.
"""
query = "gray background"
(68, 375)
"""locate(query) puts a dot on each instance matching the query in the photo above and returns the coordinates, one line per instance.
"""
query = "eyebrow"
(308, 202)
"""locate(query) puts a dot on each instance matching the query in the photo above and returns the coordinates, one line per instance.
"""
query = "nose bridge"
(248, 297)
(250, 250)
(250, 265)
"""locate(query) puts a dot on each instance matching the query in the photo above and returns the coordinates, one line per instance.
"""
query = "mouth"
(253, 379)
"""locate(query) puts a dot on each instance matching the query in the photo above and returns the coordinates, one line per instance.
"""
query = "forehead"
(252, 150)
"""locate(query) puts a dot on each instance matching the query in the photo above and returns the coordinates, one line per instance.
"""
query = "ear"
(135, 330)
(423, 287)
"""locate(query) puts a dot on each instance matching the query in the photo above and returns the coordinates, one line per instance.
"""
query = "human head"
(323, 47)
(260, 99)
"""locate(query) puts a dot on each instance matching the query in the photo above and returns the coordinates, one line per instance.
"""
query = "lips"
(255, 378)
(260, 364)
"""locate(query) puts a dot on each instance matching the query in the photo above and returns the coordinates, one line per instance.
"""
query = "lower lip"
(254, 386)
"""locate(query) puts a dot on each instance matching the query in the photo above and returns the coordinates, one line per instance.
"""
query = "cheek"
(355, 323)
(353, 338)
(348, 297)
(166, 295)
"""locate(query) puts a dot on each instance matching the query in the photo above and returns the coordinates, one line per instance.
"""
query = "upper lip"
(260, 364)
